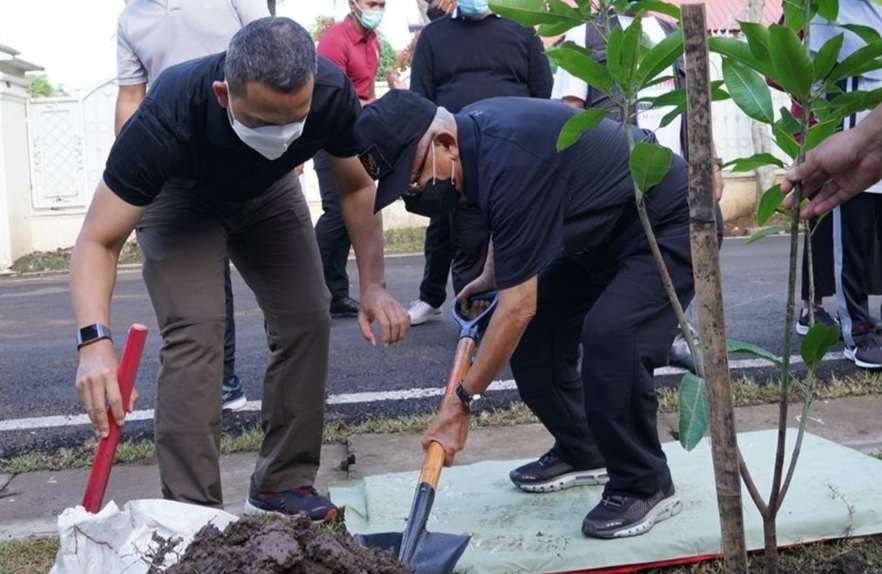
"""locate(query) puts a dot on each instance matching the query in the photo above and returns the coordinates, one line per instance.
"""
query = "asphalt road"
(38, 361)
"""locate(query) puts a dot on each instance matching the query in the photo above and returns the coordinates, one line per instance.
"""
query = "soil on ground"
(257, 545)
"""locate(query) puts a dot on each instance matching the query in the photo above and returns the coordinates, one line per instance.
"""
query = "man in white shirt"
(153, 35)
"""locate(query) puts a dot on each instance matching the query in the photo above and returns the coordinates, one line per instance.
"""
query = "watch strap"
(91, 333)
(464, 397)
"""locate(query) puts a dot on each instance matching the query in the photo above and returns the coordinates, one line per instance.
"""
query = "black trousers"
(611, 301)
(331, 232)
(455, 245)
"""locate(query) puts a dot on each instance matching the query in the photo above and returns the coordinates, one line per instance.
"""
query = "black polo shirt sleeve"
(524, 203)
(421, 75)
(148, 151)
(343, 140)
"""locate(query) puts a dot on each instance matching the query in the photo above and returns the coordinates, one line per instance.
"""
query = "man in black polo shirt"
(202, 170)
(566, 247)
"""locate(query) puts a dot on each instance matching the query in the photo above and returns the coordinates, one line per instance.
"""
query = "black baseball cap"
(393, 126)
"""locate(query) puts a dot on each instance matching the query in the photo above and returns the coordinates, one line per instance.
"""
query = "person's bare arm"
(108, 224)
(516, 307)
(357, 194)
(574, 102)
(840, 168)
(127, 101)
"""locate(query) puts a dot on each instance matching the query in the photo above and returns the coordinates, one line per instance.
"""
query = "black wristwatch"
(465, 398)
(91, 333)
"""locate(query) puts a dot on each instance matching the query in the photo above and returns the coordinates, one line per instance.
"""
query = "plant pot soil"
(261, 545)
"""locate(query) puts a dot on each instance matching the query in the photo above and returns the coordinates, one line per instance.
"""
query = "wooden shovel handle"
(433, 462)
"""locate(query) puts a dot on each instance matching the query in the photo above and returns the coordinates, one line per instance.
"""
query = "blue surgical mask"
(370, 19)
(474, 8)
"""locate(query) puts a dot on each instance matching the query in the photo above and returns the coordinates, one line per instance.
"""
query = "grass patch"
(854, 555)
(405, 240)
(59, 260)
(746, 392)
(30, 556)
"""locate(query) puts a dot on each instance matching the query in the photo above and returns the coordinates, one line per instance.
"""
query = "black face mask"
(438, 197)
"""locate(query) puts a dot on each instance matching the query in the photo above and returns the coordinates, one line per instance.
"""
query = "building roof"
(723, 15)
(11, 64)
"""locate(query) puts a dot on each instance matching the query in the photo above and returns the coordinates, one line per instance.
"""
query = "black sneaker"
(821, 316)
(551, 473)
(620, 516)
(300, 500)
(867, 354)
(345, 307)
(233, 396)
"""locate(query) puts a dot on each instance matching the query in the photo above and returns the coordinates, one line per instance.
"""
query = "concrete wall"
(15, 180)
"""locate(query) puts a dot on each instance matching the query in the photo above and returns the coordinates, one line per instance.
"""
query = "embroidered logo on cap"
(374, 162)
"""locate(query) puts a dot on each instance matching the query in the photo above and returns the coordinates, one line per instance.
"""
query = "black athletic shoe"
(300, 500)
(821, 316)
(551, 473)
(233, 396)
(620, 516)
(868, 352)
(345, 307)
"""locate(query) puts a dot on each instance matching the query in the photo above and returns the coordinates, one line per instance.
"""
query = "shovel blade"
(436, 552)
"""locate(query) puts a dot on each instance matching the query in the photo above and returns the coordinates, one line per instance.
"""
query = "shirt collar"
(456, 14)
(467, 136)
(353, 32)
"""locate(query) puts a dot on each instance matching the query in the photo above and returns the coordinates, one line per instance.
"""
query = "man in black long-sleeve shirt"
(459, 59)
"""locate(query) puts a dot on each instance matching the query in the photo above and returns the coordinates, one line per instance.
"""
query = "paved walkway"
(30, 502)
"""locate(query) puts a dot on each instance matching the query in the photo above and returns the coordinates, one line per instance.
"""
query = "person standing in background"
(467, 56)
(153, 35)
(352, 45)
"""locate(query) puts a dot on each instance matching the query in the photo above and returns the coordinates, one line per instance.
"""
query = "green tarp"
(836, 492)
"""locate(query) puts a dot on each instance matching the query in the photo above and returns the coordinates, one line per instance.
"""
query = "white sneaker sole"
(801, 330)
(424, 319)
(851, 354)
(251, 509)
(593, 477)
(666, 508)
(235, 405)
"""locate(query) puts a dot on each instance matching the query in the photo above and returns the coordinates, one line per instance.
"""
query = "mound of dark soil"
(257, 545)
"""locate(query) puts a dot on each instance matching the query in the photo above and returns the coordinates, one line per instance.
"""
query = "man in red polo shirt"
(354, 47)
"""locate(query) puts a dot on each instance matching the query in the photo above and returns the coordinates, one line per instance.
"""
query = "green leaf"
(788, 123)
(672, 98)
(661, 57)
(866, 33)
(817, 342)
(622, 52)
(738, 50)
(717, 92)
(857, 63)
(577, 61)
(693, 410)
(793, 14)
(753, 162)
(572, 130)
(748, 90)
(551, 30)
(827, 57)
(820, 132)
(828, 9)
(672, 115)
(584, 8)
(736, 346)
(769, 202)
(533, 13)
(658, 6)
(792, 65)
(786, 142)
(649, 165)
(766, 231)
(757, 38)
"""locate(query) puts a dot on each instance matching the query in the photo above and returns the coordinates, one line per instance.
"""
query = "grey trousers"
(185, 236)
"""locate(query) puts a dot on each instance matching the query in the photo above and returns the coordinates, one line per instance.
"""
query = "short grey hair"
(277, 52)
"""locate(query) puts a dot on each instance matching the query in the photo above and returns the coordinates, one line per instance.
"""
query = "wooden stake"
(708, 290)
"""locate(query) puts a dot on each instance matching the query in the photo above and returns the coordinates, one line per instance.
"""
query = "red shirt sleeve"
(335, 48)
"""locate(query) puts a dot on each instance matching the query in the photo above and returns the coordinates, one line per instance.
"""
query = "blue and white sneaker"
(233, 396)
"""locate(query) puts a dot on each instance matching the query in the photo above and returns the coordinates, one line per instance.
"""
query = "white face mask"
(269, 141)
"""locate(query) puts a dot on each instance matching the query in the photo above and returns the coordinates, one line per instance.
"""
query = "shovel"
(433, 552)
(128, 370)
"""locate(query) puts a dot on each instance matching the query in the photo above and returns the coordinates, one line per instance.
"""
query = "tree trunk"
(762, 143)
(770, 535)
(708, 288)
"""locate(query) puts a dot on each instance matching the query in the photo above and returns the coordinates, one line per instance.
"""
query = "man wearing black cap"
(566, 247)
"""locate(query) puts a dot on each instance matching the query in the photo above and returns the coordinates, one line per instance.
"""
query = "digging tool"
(128, 370)
(433, 552)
